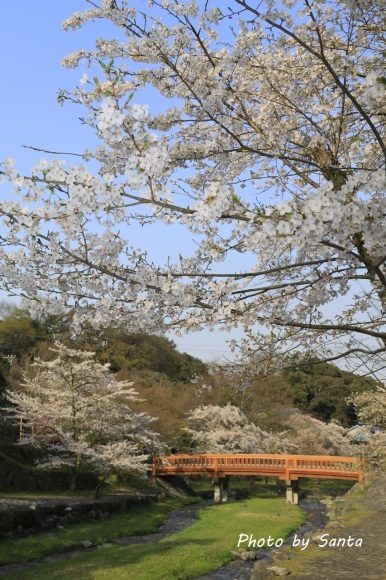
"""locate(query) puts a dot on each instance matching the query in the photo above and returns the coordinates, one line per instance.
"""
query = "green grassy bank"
(199, 549)
(144, 519)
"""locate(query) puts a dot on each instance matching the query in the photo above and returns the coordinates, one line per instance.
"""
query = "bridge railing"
(241, 464)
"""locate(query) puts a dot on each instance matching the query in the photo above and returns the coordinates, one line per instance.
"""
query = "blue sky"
(32, 45)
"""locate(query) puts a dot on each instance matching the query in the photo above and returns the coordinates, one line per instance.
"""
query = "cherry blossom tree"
(216, 429)
(314, 437)
(267, 146)
(75, 409)
(371, 406)
(371, 409)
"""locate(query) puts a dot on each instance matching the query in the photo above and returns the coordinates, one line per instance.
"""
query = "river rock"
(248, 555)
(260, 568)
(86, 544)
(279, 571)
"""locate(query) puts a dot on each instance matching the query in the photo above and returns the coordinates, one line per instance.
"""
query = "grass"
(143, 519)
(350, 511)
(197, 550)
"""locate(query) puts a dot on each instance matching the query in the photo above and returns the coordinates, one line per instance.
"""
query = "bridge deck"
(288, 467)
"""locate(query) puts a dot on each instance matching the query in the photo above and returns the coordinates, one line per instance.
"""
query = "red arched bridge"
(287, 467)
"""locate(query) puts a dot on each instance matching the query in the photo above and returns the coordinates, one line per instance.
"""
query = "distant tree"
(140, 351)
(6, 308)
(314, 437)
(371, 409)
(215, 429)
(78, 412)
(53, 327)
(18, 332)
(8, 432)
(321, 389)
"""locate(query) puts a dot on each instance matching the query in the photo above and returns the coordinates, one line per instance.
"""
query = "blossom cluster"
(109, 115)
(374, 88)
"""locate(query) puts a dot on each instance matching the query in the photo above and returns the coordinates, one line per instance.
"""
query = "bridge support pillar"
(221, 489)
(225, 488)
(292, 495)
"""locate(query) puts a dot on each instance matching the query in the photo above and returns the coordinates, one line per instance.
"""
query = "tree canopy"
(267, 146)
(138, 351)
(322, 389)
(18, 333)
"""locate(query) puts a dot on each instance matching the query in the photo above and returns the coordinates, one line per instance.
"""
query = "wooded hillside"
(173, 383)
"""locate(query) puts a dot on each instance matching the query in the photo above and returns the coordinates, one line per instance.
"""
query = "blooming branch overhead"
(267, 146)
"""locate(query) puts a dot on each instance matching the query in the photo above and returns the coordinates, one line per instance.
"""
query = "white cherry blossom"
(75, 409)
(267, 148)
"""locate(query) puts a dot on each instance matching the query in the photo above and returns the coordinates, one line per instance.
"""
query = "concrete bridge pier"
(221, 489)
(292, 495)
